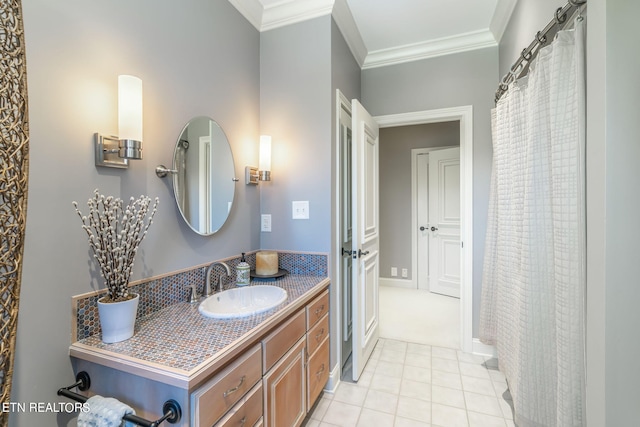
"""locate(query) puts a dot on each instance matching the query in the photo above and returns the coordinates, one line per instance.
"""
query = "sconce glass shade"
(265, 158)
(115, 151)
(129, 108)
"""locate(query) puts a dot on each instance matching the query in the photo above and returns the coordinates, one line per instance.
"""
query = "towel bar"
(171, 409)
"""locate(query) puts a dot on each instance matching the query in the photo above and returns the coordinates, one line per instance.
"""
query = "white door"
(346, 232)
(444, 222)
(365, 225)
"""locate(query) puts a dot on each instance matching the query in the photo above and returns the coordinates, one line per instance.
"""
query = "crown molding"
(347, 25)
(430, 49)
(289, 12)
(286, 12)
(252, 10)
(501, 17)
(282, 13)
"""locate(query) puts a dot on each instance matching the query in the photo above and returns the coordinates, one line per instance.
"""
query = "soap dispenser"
(242, 270)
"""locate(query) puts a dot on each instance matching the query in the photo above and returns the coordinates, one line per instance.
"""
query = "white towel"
(104, 412)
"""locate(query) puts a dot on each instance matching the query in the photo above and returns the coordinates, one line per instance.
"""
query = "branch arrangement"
(115, 232)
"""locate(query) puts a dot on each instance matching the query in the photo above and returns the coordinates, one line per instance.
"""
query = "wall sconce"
(115, 151)
(254, 175)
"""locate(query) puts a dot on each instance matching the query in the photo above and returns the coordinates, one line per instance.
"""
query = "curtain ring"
(518, 69)
(560, 19)
(525, 55)
(542, 39)
(577, 3)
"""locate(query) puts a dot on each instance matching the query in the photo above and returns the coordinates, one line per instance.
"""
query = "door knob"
(434, 229)
(422, 228)
(361, 254)
(346, 253)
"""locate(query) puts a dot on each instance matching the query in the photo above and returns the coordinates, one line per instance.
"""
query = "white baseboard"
(334, 380)
(483, 349)
(396, 283)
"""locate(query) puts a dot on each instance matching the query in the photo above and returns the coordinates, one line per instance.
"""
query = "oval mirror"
(204, 177)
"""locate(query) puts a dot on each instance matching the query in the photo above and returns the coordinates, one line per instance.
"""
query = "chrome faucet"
(207, 278)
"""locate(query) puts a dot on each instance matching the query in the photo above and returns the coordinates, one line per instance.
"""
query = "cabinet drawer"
(317, 372)
(227, 387)
(317, 309)
(317, 334)
(277, 343)
(247, 411)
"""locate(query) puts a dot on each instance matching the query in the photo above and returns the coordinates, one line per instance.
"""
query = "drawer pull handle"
(236, 388)
(320, 371)
(319, 334)
(319, 310)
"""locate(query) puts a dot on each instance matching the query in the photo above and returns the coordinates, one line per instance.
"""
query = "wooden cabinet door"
(285, 389)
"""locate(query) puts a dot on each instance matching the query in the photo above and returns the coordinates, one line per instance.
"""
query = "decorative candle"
(266, 263)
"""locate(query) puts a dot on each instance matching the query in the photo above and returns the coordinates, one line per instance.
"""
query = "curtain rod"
(532, 50)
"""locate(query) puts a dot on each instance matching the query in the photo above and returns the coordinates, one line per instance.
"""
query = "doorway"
(464, 115)
(343, 317)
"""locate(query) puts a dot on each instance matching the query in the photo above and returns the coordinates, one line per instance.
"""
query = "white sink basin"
(242, 302)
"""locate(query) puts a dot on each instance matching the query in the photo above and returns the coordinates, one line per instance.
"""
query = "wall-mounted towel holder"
(171, 409)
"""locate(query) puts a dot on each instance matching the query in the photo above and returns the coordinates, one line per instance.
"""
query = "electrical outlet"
(405, 273)
(300, 209)
(265, 223)
(394, 271)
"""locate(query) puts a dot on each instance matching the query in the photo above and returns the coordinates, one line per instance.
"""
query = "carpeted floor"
(420, 317)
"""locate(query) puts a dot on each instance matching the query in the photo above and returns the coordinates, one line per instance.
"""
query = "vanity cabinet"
(288, 369)
(269, 377)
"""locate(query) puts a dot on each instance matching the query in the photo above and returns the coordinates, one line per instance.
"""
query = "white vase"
(117, 319)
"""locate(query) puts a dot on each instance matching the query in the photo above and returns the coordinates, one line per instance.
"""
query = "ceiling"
(385, 32)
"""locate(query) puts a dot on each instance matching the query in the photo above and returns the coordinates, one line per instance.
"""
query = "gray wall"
(75, 51)
(622, 257)
(295, 109)
(597, 232)
(396, 229)
(448, 81)
(528, 17)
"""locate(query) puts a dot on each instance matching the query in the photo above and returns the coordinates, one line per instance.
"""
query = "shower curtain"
(533, 290)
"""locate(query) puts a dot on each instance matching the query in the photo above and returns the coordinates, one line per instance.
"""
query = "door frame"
(463, 114)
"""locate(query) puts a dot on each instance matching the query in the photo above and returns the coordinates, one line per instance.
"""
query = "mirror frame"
(177, 171)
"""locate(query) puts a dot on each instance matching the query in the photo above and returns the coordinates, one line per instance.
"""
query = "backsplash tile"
(161, 292)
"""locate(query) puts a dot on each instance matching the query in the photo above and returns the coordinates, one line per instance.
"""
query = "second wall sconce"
(115, 151)
(254, 175)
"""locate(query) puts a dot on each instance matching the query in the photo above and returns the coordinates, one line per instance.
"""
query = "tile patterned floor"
(417, 385)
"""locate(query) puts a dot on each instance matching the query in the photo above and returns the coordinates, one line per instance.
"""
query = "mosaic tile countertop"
(180, 338)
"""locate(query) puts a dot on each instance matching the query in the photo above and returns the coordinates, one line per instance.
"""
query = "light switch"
(300, 209)
(265, 223)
